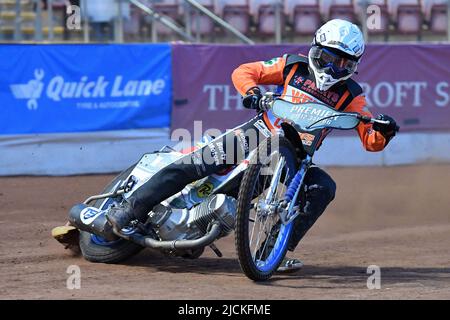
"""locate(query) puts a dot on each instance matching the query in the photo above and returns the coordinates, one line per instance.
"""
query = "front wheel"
(261, 239)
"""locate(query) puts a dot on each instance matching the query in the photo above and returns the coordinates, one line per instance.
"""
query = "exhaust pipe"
(92, 220)
(204, 241)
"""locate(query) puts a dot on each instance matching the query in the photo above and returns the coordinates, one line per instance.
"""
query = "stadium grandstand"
(217, 21)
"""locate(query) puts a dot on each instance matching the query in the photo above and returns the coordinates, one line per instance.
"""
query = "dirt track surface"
(397, 218)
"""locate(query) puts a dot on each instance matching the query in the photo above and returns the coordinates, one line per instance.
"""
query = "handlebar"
(367, 119)
(269, 97)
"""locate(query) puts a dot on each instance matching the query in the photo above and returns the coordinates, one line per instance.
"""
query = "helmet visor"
(333, 64)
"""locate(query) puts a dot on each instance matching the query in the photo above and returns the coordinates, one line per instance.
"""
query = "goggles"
(333, 64)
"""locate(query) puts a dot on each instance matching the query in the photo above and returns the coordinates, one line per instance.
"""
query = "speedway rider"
(324, 76)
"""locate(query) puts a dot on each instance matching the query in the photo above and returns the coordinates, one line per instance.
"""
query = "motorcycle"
(258, 198)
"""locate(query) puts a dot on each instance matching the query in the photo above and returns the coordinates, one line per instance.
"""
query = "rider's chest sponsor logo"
(89, 214)
(309, 86)
(296, 96)
(58, 88)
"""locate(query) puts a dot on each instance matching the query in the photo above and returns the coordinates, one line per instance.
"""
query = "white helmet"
(335, 53)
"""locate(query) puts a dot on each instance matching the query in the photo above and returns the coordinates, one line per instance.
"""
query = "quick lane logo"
(58, 88)
(31, 90)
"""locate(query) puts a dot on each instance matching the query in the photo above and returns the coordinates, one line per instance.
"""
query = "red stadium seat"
(409, 19)
(342, 9)
(132, 26)
(168, 8)
(307, 19)
(264, 15)
(337, 9)
(236, 13)
(407, 15)
(201, 24)
(304, 15)
(439, 19)
(435, 15)
(427, 5)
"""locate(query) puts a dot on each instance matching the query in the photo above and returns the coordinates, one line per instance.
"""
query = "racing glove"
(387, 130)
(252, 98)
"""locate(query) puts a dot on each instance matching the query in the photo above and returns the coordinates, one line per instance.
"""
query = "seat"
(439, 19)
(132, 26)
(342, 9)
(407, 14)
(304, 15)
(169, 8)
(264, 12)
(199, 23)
(435, 15)
(236, 13)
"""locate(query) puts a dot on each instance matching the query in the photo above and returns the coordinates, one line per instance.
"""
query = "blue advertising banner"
(76, 88)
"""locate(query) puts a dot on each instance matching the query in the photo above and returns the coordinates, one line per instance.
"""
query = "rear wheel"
(261, 239)
(96, 249)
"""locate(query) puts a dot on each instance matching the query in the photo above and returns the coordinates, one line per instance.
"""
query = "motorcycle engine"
(183, 224)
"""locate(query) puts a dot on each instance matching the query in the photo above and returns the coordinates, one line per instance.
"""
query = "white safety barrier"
(77, 153)
(405, 148)
(113, 151)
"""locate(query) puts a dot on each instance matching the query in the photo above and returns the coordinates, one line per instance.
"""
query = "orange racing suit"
(296, 83)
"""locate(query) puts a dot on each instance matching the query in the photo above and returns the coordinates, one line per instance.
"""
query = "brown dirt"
(397, 218)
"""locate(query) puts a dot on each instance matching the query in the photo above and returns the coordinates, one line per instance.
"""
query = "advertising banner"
(77, 88)
(408, 82)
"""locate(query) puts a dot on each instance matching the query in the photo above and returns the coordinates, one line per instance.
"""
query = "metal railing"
(219, 21)
(163, 20)
(187, 34)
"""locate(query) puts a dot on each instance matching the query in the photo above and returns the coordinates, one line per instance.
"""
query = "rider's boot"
(120, 216)
(290, 265)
